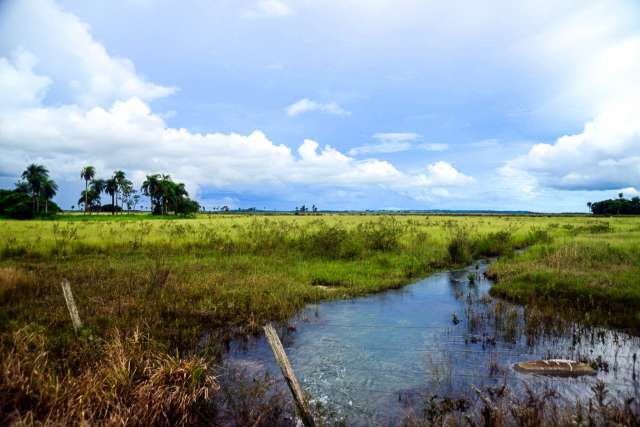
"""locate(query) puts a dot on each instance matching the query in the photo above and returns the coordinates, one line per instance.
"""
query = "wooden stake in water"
(71, 305)
(289, 375)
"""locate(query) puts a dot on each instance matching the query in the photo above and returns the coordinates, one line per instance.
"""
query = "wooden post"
(289, 375)
(71, 305)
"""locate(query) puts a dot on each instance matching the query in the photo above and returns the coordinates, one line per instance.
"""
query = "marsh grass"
(224, 276)
(594, 275)
(499, 406)
(128, 383)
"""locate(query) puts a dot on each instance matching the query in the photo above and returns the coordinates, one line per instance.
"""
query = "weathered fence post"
(289, 375)
(71, 305)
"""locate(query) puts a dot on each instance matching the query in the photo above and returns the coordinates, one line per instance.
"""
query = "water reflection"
(365, 358)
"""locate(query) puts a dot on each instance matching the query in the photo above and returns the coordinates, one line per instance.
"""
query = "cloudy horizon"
(346, 105)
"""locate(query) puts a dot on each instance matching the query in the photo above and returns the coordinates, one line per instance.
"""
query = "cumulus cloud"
(604, 156)
(19, 85)
(59, 46)
(126, 134)
(604, 78)
(131, 137)
(306, 105)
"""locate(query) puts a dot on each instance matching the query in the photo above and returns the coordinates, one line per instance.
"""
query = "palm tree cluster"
(165, 194)
(168, 196)
(118, 187)
(37, 184)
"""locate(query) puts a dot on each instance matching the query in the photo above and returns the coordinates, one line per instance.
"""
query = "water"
(368, 359)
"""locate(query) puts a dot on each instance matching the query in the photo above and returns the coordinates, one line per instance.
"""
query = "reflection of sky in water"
(368, 355)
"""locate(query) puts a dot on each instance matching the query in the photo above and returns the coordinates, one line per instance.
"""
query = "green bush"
(459, 246)
(381, 235)
(494, 244)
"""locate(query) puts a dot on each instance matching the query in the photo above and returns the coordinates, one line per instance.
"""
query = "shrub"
(459, 246)
(494, 244)
(381, 235)
(328, 242)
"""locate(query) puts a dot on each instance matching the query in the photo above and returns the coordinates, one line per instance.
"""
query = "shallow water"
(368, 359)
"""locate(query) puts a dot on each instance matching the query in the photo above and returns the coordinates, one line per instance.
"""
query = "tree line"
(32, 196)
(619, 206)
(166, 195)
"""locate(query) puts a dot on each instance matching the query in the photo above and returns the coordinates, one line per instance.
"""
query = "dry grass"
(130, 383)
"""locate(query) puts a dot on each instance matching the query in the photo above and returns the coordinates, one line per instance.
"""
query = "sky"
(346, 104)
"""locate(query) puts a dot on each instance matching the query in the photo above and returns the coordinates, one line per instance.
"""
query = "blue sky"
(346, 104)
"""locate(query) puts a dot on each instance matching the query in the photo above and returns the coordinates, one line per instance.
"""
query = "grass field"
(160, 297)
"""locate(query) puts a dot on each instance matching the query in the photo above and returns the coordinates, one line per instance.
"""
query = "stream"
(369, 359)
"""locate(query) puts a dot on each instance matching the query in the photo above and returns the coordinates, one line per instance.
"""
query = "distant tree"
(16, 204)
(621, 195)
(91, 198)
(87, 174)
(22, 187)
(35, 176)
(168, 196)
(314, 208)
(97, 187)
(49, 189)
(128, 195)
(151, 189)
(121, 181)
(619, 206)
(589, 205)
(111, 188)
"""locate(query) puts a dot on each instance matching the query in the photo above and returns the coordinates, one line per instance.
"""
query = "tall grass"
(192, 284)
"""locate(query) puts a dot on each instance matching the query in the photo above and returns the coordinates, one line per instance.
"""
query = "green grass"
(592, 274)
(191, 284)
(234, 272)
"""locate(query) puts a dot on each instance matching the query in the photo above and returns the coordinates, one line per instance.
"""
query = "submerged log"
(556, 367)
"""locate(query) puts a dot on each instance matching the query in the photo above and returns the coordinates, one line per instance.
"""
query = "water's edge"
(364, 358)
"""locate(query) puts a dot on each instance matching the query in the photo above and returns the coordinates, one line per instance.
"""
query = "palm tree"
(167, 191)
(120, 178)
(111, 188)
(151, 188)
(97, 188)
(87, 173)
(35, 175)
(90, 197)
(49, 189)
(98, 185)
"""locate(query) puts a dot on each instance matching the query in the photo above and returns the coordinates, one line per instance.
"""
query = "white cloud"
(79, 69)
(396, 142)
(600, 56)
(129, 136)
(604, 156)
(442, 174)
(19, 85)
(383, 147)
(306, 105)
(126, 134)
(268, 8)
(396, 136)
